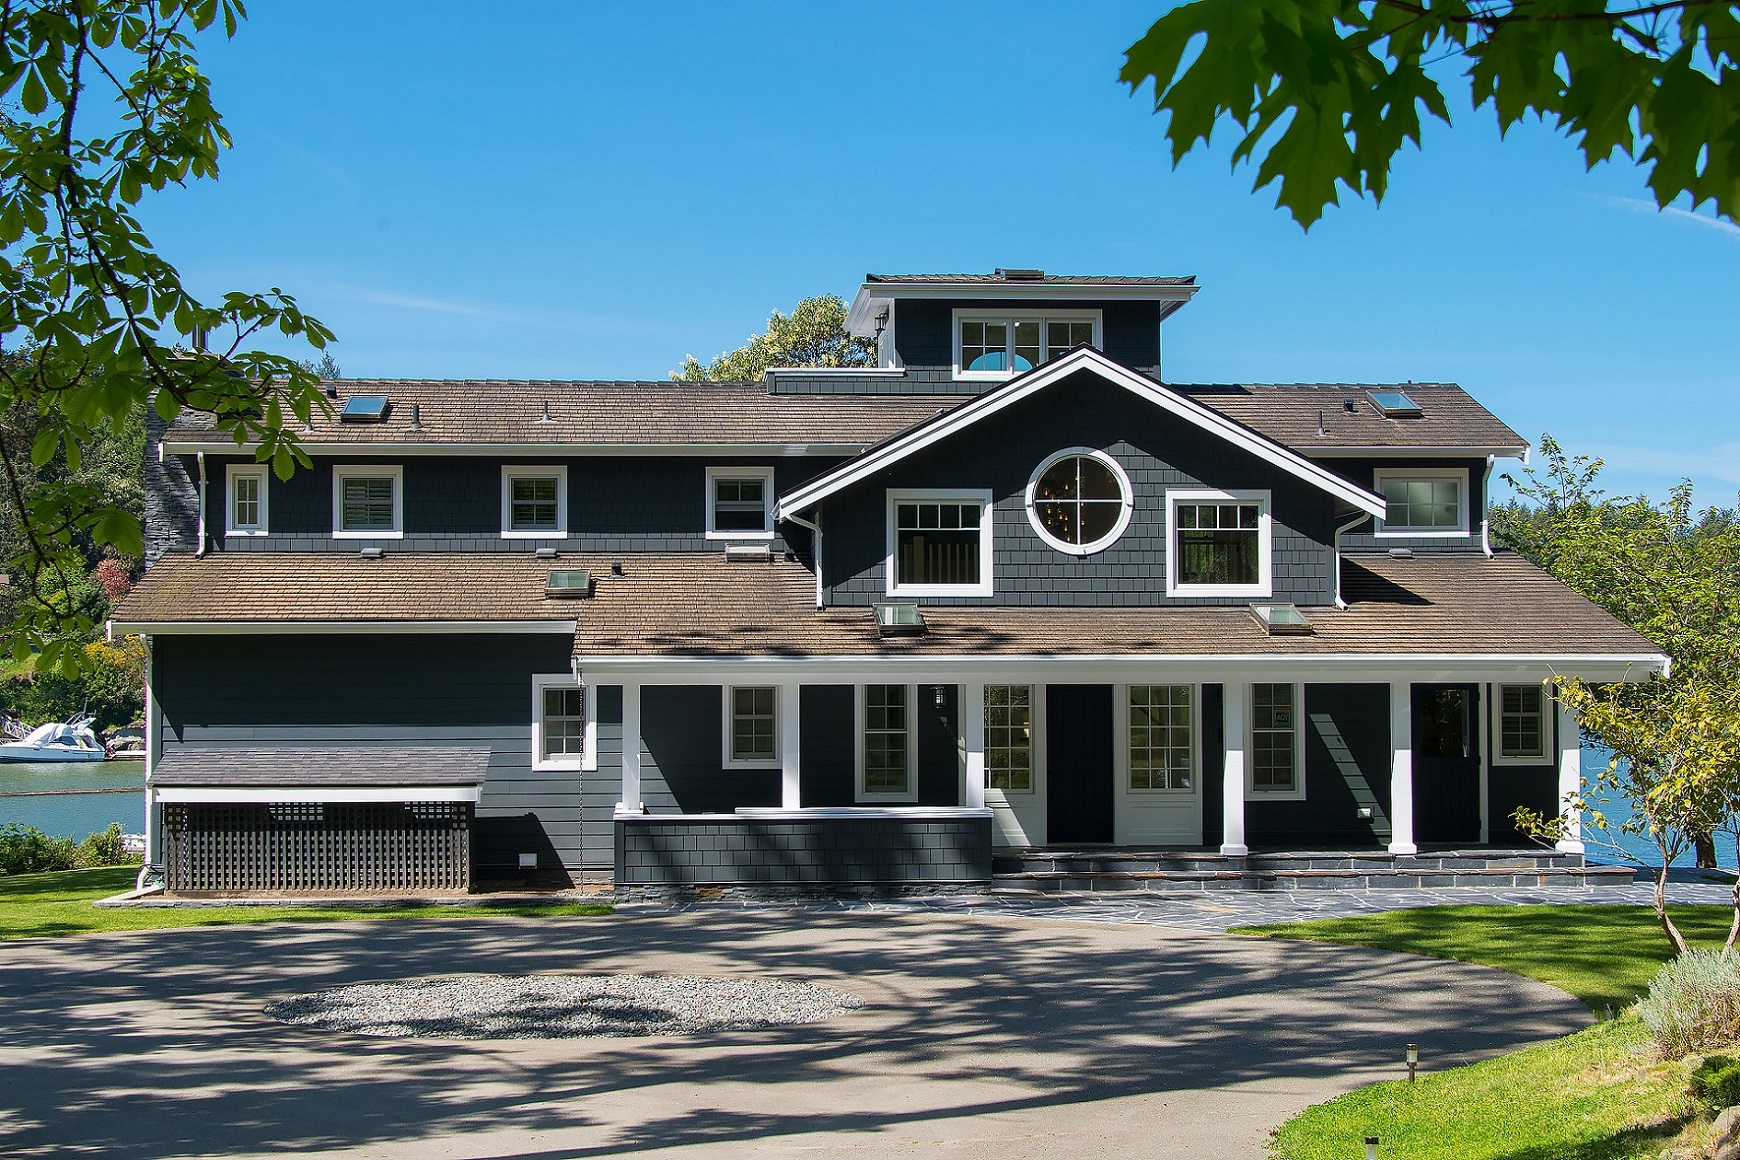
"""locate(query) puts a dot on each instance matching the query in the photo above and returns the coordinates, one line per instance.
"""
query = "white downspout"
(200, 551)
(815, 549)
(1347, 527)
(1486, 507)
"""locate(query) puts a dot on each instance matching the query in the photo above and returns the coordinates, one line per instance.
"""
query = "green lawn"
(1595, 1095)
(1601, 954)
(36, 905)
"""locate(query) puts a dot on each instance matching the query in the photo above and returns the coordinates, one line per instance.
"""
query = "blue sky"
(588, 191)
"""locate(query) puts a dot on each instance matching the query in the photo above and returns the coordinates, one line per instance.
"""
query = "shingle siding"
(925, 340)
(1362, 472)
(1158, 451)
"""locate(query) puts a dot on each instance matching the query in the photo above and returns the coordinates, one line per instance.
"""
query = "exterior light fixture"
(1413, 1060)
(939, 694)
(1371, 1146)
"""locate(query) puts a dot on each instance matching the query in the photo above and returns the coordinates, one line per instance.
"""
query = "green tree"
(1672, 573)
(1326, 92)
(107, 105)
(813, 335)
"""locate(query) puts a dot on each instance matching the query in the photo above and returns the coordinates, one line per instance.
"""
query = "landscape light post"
(1413, 1060)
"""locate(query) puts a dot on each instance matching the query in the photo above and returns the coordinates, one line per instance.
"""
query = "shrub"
(1716, 1082)
(27, 850)
(104, 848)
(1694, 1003)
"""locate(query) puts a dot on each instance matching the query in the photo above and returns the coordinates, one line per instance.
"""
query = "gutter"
(815, 550)
(1348, 527)
(200, 456)
(1486, 508)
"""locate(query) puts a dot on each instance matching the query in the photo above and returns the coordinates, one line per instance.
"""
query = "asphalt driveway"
(979, 1037)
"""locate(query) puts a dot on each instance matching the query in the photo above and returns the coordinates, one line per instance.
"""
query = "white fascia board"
(1517, 451)
(1140, 668)
(872, 296)
(305, 793)
(1044, 376)
(841, 372)
(561, 450)
(779, 813)
(337, 627)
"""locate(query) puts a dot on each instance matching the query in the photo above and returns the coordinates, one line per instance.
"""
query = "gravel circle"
(561, 1006)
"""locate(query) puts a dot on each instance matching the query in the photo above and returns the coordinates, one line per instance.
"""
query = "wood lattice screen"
(318, 847)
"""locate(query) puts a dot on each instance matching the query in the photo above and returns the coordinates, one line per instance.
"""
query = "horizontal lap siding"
(385, 690)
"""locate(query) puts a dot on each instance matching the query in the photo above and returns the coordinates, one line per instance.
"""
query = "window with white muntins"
(368, 502)
(1079, 501)
(564, 732)
(245, 514)
(939, 543)
(534, 502)
(885, 744)
(739, 503)
(1009, 738)
(1522, 723)
(1423, 501)
(1218, 543)
(1161, 737)
(997, 344)
(751, 725)
(1275, 755)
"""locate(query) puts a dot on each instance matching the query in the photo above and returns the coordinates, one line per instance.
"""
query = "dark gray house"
(1010, 589)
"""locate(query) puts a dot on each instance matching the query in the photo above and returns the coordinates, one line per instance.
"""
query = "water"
(74, 815)
(1595, 759)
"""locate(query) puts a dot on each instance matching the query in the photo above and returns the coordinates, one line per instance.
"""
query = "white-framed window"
(1079, 501)
(245, 504)
(1276, 759)
(1160, 738)
(1218, 544)
(751, 716)
(534, 503)
(564, 729)
(1523, 723)
(1423, 501)
(939, 542)
(887, 743)
(994, 344)
(740, 503)
(1009, 738)
(368, 502)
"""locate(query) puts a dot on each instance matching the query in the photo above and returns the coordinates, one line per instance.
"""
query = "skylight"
(1395, 404)
(899, 620)
(364, 409)
(574, 583)
(1281, 620)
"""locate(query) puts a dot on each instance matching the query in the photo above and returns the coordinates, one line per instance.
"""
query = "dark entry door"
(1078, 757)
(1446, 763)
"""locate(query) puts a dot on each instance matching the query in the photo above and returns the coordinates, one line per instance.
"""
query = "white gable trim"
(1037, 380)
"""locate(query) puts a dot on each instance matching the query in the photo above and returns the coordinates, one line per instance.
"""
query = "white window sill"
(368, 535)
(1160, 792)
(582, 765)
(1541, 759)
(508, 534)
(940, 590)
(870, 799)
(1273, 795)
(1422, 533)
(239, 532)
(1243, 591)
(767, 535)
(753, 763)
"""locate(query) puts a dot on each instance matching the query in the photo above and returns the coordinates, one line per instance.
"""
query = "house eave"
(872, 296)
(564, 450)
(335, 627)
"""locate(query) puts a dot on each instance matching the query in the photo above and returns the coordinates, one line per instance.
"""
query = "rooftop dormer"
(986, 327)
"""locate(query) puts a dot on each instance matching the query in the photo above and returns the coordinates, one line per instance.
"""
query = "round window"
(1079, 501)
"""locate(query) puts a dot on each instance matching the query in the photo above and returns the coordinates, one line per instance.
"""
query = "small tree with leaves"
(813, 335)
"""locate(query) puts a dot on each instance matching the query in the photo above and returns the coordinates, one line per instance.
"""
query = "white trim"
(513, 471)
(629, 796)
(1497, 754)
(1252, 792)
(1123, 521)
(1570, 744)
(774, 760)
(1022, 386)
(1264, 588)
(900, 495)
(861, 314)
(858, 717)
(791, 748)
(588, 760)
(344, 471)
(1402, 768)
(385, 446)
(1129, 826)
(1233, 765)
(257, 471)
(910, 813)
(1417, 451)
(983, 314)
(337, 627)
(342, 793)
(886, 372)
(1463, 505)
(765, 475)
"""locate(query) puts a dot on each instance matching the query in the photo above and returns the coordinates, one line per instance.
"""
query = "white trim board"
(1022, 386)
(334, 627)
(569, 450)
(335, 793)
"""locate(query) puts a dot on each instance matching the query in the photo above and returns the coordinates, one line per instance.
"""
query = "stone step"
(1197, 881)
(1113, 862)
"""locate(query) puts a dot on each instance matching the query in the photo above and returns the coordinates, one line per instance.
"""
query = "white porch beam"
(631, 742)
(1570, 780)
(1232, 795)
(972, 700)
(1402, 768)
(790, 749)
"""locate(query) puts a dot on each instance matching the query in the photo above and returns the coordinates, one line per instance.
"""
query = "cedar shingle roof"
(1289, 414)
(697, 604)
(348, 765)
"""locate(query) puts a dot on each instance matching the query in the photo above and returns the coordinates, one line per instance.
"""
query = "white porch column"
(790, 736)
(630, 749)
(1232, 793)
(1402, 768)
(1570, 780)
(972, 701)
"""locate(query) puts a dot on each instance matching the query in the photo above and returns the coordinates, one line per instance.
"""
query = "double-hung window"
(1423, 501)
(751, 725)
(739, 503)
(1160, 737)
(564, 733)
(1522, 723)
(885, 749)
(1218, 544)
(368, 502)
(993, 345)
(245, 513)
(939, 543)
(534, 502)
(1009, 738)
(1275, 751)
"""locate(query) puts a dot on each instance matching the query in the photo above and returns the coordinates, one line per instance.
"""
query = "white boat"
(57, 741)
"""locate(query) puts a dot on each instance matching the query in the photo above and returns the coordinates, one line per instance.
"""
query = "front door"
(1078, 751)
(1446, 763)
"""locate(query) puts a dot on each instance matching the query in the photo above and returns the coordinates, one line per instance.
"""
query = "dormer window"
(995, 345)
(740, 503)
